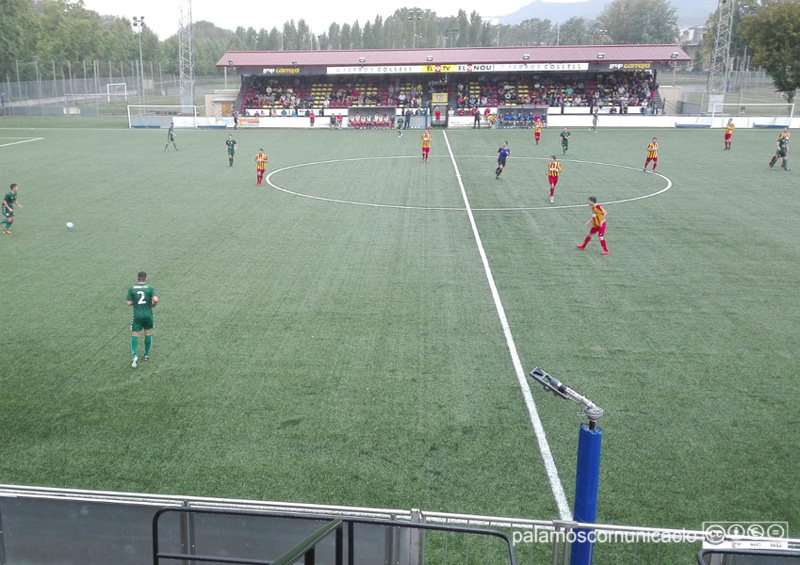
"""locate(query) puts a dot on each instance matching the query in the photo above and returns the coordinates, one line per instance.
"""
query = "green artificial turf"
(345, 348)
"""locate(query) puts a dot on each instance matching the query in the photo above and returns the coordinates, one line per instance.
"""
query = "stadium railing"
(48, 525)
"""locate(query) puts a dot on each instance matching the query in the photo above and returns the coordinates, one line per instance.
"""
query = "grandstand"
(567, 80)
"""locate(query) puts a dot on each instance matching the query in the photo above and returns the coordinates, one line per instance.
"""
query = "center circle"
(268, 180)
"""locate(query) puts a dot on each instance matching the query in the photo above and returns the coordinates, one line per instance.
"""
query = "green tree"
(368, 37)
(236, 43)
(331, 39)
(574, 31)
(475, 26)
(69, 32)
(304, 36)
(356, 36)
(345, 41)
(533, 31)
(463, 29)
(118, 42)
(639, 21)
(19, 31)
(291, 39)
(773, 35)
(270, 41)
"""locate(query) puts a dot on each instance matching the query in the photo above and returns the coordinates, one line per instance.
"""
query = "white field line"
(541, 437)
(24, 140)
(268, 179)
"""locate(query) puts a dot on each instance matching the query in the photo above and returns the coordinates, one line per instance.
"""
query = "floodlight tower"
(587, 478)
(139, 23)
(186, 54)
(720, 67)
(415, 14)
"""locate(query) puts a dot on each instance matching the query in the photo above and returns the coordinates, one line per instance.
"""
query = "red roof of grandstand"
(545, 54)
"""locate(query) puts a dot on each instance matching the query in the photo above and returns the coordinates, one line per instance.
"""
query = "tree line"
(64, 30)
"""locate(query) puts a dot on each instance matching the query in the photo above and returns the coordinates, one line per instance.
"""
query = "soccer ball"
(70, 225)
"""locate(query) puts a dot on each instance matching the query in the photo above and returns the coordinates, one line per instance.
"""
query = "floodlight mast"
(592, 411)
(587, 478)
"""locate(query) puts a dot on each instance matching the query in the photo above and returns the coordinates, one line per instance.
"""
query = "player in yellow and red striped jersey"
(652, 154)
(729, 134)
(553, 168)
(598, 223)
(537, 128)
(426, 144)
(261, 165)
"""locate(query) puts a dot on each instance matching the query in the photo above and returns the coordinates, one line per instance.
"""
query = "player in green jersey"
(231, 143)
(171, 137)
(781, 153)
(564, 141)
(9, 200)
(142, 296)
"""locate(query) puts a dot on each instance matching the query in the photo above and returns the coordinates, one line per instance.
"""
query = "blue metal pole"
(586, 483)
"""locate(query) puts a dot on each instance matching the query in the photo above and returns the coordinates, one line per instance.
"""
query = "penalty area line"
(536, 422)
(27, 140)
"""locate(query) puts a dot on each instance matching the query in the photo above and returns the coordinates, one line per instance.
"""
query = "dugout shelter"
(513, 83)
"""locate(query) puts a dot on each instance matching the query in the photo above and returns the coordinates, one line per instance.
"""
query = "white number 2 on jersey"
(141, 297)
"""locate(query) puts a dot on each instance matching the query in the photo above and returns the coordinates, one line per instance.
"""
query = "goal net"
(161, 116)
(77, 104)
(779, 112)
(116, 91)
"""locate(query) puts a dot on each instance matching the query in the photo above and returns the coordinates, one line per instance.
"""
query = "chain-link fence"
(95, 88)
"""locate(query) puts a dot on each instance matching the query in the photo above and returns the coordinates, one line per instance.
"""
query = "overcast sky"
(162, 16)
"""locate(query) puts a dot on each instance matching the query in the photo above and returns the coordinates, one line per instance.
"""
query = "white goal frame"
(116, 93)
(718, 110)
(162, 115)
(72, 102)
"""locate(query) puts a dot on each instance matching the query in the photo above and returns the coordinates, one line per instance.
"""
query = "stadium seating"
(297, 95)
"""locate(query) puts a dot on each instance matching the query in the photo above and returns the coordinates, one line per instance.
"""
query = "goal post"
(74, 103)
(116, 90)
(161, 116)
(781, 111)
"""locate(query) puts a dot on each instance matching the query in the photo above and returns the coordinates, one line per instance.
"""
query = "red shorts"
(728, 135)
(537, 134)
(426, 149)
(553, 180)
(654, 160)
(599, 230)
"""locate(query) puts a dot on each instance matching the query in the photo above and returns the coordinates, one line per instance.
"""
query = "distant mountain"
(689, 12)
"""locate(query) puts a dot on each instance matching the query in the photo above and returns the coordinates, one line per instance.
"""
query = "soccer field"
(333, 336)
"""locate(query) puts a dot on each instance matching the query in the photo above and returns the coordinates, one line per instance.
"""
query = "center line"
(541, 437)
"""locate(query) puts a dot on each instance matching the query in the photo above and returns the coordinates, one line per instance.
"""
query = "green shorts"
(139, 324)
(7, 213)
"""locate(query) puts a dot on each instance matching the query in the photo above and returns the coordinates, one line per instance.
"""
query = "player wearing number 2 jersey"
(142, 296)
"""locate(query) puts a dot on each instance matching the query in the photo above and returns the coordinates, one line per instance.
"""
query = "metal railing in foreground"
(47, 525)
(354, 540)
